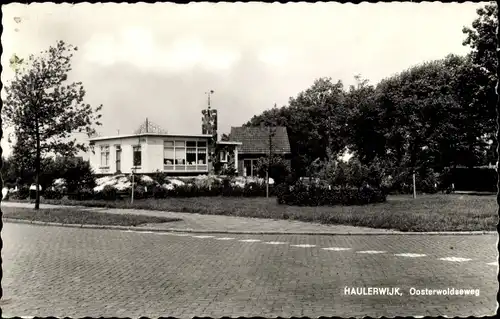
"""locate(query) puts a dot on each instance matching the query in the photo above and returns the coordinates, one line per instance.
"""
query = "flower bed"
(120, 186)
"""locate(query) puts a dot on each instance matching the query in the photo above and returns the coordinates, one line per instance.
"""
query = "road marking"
(336, 248)
(224, 238)
(203, 236)
(304, 245)
(371, 252)
(275, 243)
(495, 263)
(143, 232)
(411, 255)
(458, 259)
(249, 240)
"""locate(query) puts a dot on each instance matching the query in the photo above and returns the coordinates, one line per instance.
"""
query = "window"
(168, 153)
(180, 153)
(202, 156)
(249, 167)
(223, 156)
(118, 158)
(191, 155)
(137, 155)
(185, 155)
(104, 155)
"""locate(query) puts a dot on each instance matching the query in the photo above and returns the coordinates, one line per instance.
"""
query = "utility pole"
(133, 187)
(414, 186)
(271, 132)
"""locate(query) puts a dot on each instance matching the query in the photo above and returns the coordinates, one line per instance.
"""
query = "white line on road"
(275, 243)
(250, 240)
(371, 252)
(304, 245)
(411, 255)
(458, 259)
(143, 232)
(336, 248)
(203, 236)
(224, 238)
(495, 263)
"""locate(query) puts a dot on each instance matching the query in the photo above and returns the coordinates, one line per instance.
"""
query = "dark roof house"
(255, 144)
(255, 140)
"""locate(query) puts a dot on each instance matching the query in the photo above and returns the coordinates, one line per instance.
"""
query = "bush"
(301, 194)
(83, 193)
(52, 194)
(428, 183)
(23, 192)
(159, 192)
(140, 192)
(107, 193)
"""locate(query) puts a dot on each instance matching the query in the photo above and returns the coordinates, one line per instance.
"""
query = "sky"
(158, 60)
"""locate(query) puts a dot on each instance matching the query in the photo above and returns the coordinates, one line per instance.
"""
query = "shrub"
(23, 192)
(254, 189)
(159, 192)
(108, 193)
(428, 183)
(52, 194)
(301, 194)
(83, 193)
(140, 192)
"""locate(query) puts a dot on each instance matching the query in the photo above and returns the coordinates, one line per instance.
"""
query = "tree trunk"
(37, 164)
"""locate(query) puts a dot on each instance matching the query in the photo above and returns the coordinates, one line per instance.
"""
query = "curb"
(201, 231)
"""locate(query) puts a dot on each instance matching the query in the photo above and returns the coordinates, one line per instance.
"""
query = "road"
(56, 271)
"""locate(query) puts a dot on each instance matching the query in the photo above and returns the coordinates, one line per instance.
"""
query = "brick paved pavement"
(86, 272)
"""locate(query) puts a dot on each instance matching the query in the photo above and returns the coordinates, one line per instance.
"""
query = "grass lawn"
(425, 213)
(79, 216)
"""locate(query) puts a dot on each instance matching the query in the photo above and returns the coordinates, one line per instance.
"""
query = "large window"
(137, 154)
(104, 155)
(185, 155)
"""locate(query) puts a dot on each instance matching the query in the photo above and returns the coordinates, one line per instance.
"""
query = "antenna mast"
(209, 93)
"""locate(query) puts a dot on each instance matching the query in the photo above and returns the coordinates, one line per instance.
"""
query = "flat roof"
(117, 137)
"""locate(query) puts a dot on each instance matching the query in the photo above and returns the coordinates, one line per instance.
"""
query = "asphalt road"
(55, 271)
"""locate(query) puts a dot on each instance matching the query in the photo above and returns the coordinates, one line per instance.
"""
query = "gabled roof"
(255, 140)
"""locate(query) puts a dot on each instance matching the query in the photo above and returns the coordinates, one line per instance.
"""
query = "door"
(247, 165)
(118, 160)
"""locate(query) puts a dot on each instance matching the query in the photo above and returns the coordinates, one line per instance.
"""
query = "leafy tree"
(429, 120)
(279, 168)
(45, 110)
(315, 121)
(482, 40)
(366, 135)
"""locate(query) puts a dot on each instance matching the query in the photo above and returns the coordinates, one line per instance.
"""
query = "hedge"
(320, 195)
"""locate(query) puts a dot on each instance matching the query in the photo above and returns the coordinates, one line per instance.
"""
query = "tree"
(482, 39)
(428, 117)
(366, 131)
(44, 109)
(315, 121)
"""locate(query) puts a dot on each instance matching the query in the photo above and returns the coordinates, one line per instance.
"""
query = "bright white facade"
(151, 152)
